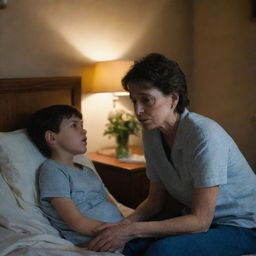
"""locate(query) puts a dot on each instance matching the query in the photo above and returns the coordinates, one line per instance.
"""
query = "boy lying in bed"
(71, 196)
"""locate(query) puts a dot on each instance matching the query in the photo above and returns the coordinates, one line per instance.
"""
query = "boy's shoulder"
(52, 170)
(51, 165)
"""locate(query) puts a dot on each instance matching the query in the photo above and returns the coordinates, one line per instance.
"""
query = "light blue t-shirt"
(85, 189)
(204, 155)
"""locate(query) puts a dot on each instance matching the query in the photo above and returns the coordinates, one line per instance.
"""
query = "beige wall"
(224, 69)
(62, 37)
(59, 37)
(213, 40)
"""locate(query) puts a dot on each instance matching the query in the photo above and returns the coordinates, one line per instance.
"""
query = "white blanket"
(25, 244)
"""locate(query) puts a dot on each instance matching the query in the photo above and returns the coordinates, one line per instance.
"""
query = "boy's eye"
(77, 124)
(74, 124)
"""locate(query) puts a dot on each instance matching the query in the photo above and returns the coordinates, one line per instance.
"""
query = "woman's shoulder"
(197, 124)
(197, 129)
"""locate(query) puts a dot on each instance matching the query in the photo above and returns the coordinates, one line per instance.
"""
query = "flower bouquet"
(122, 124)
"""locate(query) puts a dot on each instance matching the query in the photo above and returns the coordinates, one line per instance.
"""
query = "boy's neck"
(67, 159)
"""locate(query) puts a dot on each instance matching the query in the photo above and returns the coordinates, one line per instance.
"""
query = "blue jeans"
(220, 240)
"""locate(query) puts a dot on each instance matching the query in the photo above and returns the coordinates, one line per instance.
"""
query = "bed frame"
(20, 97)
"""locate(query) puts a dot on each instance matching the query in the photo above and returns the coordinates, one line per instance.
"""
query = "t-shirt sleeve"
(210, 160)
(149, 152)
(53, 182)
(151, 170)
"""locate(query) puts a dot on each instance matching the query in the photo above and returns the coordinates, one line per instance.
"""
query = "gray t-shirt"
(85, 189)
(204, 155)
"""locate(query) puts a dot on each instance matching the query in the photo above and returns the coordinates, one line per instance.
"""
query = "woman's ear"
(175, 100)
(50, 137)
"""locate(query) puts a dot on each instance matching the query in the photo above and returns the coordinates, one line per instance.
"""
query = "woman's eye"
(133, 100)
(148, 100)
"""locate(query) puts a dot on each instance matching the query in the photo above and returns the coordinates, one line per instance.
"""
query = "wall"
(168, 30)
(215, 40)
(61, 37)
(224, 86)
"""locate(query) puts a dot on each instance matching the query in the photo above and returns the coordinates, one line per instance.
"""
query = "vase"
(122, 149)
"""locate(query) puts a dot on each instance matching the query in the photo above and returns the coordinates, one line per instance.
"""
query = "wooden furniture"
(127, 182)
(20, 97)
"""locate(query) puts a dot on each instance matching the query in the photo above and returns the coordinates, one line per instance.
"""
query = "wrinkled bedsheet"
(25, 244)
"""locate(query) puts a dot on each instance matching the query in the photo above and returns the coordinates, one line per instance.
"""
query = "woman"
(194, 160)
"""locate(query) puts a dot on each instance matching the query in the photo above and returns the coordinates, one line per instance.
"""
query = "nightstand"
(127, 182)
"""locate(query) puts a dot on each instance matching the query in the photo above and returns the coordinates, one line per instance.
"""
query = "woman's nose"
(138, 109)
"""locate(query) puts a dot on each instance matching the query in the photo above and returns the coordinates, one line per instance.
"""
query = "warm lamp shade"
(107, 76)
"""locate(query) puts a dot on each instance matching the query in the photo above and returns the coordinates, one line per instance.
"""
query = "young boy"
(71, 196)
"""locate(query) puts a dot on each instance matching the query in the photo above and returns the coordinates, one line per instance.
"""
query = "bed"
(23, 228)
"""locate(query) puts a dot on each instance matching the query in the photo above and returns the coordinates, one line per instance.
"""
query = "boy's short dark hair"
(48, 118)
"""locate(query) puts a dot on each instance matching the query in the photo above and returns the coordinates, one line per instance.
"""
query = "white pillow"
(20, 220)
(19, 161)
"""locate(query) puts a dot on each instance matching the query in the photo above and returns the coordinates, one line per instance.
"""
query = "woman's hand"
(111, 236)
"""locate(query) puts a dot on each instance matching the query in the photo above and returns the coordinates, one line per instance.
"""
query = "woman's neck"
(169, 129)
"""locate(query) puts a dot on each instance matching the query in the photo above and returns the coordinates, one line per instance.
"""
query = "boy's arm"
(72, 216)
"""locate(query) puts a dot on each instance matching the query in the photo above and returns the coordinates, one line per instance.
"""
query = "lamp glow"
(107, 76)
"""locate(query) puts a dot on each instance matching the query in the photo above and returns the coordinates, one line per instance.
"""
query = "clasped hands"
(111, 236)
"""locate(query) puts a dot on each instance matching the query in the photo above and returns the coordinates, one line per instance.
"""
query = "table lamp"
(107, 76)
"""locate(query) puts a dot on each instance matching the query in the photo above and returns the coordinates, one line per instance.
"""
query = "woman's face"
(153, 108)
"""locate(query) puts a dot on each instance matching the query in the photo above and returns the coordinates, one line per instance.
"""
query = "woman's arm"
(199, 220)
(72, 216)
(152, 205)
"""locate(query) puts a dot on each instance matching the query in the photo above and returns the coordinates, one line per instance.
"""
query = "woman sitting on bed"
(71, 196)
(193, 159)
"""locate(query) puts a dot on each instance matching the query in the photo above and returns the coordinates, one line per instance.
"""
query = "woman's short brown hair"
(156, 71)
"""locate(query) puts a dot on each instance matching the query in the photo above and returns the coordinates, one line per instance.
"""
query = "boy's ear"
(50, 137)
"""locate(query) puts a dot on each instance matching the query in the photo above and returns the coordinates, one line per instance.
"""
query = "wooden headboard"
(20, 97)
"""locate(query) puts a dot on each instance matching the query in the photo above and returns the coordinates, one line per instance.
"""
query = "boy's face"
(72, 136)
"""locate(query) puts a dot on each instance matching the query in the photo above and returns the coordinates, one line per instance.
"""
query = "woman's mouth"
(143, 121)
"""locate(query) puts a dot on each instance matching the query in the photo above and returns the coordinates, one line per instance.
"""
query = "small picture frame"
(3, 4)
